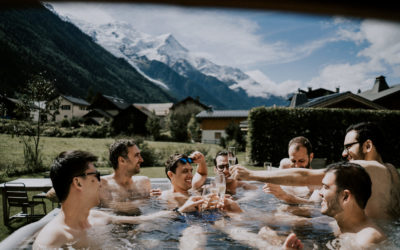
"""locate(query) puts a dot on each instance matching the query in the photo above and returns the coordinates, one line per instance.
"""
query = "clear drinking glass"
(268, 166)
(220, 184)
(231, 156)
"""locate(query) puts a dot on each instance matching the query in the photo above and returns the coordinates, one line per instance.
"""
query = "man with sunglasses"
(179, 171)
(77, 185)
(221, 165)
(122, 191)
(363, 145)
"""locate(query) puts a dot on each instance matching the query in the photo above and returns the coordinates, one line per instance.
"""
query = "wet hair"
(172, 163)
(222, 153)
(354, 178)
(119, 148)
(371, 131)
(65, 167)
(301, 141)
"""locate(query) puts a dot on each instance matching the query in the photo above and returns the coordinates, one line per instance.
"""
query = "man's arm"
(288, 177)
(279, 193)
(115, 219)
(201, 172)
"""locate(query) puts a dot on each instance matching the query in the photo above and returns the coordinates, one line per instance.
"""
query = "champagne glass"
(220, 184)
(268, 166)
(231, 156)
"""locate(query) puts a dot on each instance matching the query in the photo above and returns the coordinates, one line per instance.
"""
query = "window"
(82, 107)
(217, 135)
(66, 107)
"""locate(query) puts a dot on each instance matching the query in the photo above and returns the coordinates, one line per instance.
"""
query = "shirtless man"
(77, 185)
(346, 188)
(362, 145)
(221, 165)
(122, 191)
(300, 156)
(178, 169)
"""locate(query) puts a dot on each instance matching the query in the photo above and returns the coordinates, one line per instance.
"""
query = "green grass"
(11, 155)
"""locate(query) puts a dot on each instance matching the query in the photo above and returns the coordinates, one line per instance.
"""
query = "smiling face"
(352, 150)
(222, 166)
(182, 178)
(133, 160)
(330, 204)
(299, 157)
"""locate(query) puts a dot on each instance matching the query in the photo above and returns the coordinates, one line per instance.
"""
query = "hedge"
(270, 130)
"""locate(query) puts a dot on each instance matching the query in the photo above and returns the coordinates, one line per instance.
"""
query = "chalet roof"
(190, 99)
(223, 114)
(327, 100)
(373, 96)
(161, 109)
(313, 93)
(143, 109)
(98, 113)
(119, 102)
(298, 99)
(76, 100)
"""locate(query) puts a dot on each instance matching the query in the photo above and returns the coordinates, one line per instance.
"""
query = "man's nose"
(345, 153)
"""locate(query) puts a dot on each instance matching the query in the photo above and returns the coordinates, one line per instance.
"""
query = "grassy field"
(11, 155)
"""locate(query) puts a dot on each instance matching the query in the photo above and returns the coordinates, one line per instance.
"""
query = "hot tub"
(260, 210)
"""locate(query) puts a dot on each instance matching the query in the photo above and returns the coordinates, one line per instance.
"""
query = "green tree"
(178, 120)
(33, 98)
(194, 129)
(235, 137)
(153, 125)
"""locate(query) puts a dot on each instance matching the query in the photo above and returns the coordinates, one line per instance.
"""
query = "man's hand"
(197, 157)
(155, 192)
(239, 172)
(292, 242)
(229, 205)
(192, 204)
(276, 190)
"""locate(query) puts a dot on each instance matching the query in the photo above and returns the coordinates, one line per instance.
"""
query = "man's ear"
(121, 159)
(76, 183)
(170, 174)
(346, 195)
(311, 157)
(368, 145)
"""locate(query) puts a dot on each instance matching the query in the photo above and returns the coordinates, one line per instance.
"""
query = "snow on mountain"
(122, 40)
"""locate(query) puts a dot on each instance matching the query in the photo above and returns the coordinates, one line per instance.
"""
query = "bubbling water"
(260, 209)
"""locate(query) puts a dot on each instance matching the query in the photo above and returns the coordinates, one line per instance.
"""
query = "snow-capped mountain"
(203, 77)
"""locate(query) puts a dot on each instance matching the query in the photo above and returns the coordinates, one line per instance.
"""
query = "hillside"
(35, 40)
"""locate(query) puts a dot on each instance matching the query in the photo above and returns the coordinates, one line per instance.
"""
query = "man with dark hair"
(77, 185)
(300, 156)
(179, 170)
(359, 148)
(121, 190)
(346, 188)
(221, 165)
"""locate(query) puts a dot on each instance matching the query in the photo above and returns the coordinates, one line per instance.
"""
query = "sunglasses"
(222, 167)
(186, 160)
(97, 174)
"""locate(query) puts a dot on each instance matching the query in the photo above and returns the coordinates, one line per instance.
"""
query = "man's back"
(385, 198)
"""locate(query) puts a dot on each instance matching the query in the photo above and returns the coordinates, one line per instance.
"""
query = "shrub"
(65, 123)
(270, 130)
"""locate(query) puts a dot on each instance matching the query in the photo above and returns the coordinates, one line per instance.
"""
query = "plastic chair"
(17, 196)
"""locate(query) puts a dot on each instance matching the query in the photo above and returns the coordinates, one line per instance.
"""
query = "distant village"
(212, 122)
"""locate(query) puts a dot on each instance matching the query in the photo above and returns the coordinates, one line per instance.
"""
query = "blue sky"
(282, 51)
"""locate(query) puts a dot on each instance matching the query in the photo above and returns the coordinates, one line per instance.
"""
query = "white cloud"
(228, 38)
(267, 86)
(382, 53)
